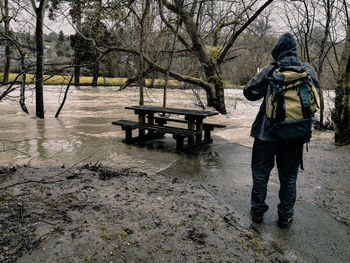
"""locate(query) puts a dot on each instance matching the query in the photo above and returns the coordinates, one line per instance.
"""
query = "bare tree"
(341, 112)
(196, 31)
(6, 19)
(194, 35)
(12, 86)
(143, 30)
(76, 13)
(197, 39)
(75, 18)
(205, 33)
(39, 96)
(170, 61)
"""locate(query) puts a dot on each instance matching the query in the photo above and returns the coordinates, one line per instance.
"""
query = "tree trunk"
(143, 27)
(96, 71)
(23, 84)
(96, 66)
(341, 112)
(77, 53)
(170, 61)
(217, 101)
(76, 67)
(216, 96)
(39, 95)
(322, 56)
(7, 43)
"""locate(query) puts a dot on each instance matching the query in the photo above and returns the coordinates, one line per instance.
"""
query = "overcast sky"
(25, 21)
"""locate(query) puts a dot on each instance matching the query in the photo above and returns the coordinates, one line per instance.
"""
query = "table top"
(186, 112)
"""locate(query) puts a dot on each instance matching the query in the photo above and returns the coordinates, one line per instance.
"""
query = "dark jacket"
(285, 54)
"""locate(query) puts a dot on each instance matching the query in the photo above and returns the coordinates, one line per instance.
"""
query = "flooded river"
(83, 129)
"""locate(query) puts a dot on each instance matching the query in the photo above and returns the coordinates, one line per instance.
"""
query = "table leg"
(128, 135)
(207, 136)
(142, 119)
(191, 126)
(199, 127)
(179, 142)
(151, 118)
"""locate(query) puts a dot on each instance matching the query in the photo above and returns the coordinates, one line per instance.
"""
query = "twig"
(136, 78)
(199, 100)
(39, 156)
(15, 150)
(76, 164)
(48, 182)
(31, 181)
(64, 98)
(43, 221)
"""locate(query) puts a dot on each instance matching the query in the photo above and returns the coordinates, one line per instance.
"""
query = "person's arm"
(255, 89)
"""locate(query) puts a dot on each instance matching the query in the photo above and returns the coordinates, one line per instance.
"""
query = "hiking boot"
(284, 222)
(255, 218)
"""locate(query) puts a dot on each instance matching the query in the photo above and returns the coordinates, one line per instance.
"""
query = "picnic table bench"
(156, 125)
(207, 127)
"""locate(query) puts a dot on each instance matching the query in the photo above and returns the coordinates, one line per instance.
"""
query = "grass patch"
(104, 81)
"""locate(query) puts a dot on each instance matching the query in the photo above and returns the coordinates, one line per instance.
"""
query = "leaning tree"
(207, 31)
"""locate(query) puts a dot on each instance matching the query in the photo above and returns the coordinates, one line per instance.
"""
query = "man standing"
(268, 147)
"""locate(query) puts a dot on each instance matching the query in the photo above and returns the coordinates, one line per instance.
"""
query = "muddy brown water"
(83, 133)
(84, 128)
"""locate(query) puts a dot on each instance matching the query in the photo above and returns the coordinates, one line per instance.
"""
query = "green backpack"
(291, 102)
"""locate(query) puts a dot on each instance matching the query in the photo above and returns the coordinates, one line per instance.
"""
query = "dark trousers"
(288, 155)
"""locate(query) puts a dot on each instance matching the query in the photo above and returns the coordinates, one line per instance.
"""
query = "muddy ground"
(98, 214)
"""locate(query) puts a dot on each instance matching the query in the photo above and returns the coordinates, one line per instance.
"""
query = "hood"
(285, 46)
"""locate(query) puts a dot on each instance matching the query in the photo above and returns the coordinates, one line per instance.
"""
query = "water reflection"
(40, 128)
(83, 128)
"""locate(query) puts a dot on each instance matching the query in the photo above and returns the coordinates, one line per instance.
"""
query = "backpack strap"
(304, 95)
(276, 66)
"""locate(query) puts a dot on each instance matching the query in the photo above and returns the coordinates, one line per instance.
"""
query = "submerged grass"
(105, 81)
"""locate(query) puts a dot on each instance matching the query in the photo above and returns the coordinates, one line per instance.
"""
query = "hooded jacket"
(284, 53)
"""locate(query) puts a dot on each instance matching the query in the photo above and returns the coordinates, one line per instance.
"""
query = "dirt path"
(98, 214)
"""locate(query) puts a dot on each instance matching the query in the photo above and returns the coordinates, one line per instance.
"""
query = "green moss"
(113, 234)
(168, 250)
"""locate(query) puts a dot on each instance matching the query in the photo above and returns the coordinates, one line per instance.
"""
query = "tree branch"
(22, 95)
(64, 98)
(223, 25)
(135, 79)
(191, 80)
(239, 31)
(166, 22)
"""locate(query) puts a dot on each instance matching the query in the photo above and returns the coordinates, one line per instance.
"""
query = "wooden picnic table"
(153, 119)
(194, 118)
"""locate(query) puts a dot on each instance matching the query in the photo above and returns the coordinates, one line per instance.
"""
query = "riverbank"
(107, 81)
(93, 213)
